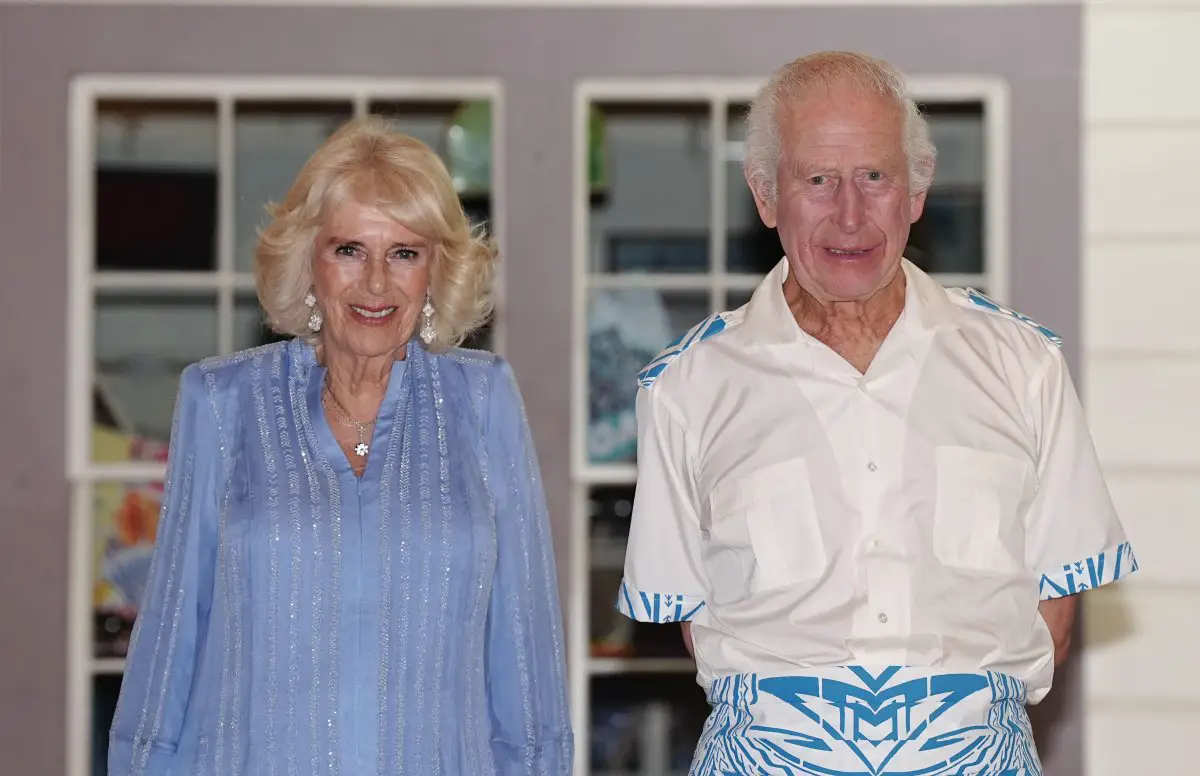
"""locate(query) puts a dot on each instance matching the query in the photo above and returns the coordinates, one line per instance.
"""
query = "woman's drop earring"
(314, 317)
(428, 334)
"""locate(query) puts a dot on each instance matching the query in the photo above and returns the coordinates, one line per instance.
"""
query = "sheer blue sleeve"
(526, 677)
(174, 607)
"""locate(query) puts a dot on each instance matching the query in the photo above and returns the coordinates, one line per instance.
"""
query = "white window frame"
(719, 94)
(225, 281)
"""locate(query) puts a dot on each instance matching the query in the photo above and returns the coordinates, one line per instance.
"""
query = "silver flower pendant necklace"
(362, 426)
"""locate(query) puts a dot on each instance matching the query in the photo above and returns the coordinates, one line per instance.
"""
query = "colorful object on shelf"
(597, 156)
(468, 150)
(125, 516)
(626, 328)
(617, 642)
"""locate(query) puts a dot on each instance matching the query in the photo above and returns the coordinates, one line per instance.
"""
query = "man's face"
(843, 210)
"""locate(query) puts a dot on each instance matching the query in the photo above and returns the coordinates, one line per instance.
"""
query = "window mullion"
(717, 238)
(226, 184)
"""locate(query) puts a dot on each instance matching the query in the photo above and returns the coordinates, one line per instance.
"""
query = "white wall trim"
(571, 4)
(578, 586)
(248, 87)
(1142, 6)
(997, 224)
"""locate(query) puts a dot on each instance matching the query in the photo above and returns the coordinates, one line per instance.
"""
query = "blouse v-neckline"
(391, 411)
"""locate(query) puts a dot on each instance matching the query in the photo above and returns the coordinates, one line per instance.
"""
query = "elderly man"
(870, 500)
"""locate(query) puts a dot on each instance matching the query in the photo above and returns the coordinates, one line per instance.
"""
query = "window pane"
(272, 141)
(735, 299)
(249, 325)
(651, 213)
(646, 723)
(106, 689)
(949, 237)
(481, 339)
(156, 185)
(143, 342)
(431, 121)
(610, 508)
(627, 327)
(461, 133)
(750, 247)
(125, 517)
(958, 133)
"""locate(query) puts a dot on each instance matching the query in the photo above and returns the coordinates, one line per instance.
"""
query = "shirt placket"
(887, 614)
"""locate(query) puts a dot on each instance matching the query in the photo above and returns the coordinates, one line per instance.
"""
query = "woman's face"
(370, 277)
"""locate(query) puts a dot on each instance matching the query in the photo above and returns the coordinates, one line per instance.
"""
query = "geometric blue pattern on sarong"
(868, 719)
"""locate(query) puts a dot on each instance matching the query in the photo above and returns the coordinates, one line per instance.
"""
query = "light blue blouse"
(301, 620)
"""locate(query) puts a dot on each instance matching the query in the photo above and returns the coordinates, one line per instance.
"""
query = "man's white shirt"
(801, 514)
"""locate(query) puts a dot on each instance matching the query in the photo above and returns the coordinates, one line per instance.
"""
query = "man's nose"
(850, 207)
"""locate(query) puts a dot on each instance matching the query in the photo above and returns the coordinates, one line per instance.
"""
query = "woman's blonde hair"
(367, 162)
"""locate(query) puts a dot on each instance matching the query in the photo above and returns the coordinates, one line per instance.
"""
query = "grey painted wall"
(539, 54)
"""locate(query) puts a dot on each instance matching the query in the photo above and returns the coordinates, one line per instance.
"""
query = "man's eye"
(818, 180)
(875, 175)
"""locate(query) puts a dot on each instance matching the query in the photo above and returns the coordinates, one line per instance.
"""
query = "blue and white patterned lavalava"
(983, 302)
(657, 607)
(1089, 573)
(713, 324)
(851, 721)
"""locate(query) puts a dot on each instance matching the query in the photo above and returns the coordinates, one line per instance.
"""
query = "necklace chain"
(331, 402)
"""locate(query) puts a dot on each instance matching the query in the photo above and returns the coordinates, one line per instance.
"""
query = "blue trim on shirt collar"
(713, 324)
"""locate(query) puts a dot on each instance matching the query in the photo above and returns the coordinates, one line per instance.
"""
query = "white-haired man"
(870, 500)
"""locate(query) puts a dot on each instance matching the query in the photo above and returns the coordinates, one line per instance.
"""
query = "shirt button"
(883, 618)
(871, 466)
(876, 544)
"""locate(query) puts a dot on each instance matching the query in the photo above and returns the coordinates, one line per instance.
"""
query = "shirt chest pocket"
(773, 509)
(976, 522)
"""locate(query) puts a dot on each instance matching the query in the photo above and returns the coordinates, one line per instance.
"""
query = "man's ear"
(765, 205)
(917, 206)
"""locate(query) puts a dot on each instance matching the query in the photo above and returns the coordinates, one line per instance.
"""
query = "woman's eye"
(407, 254)
(345, 250)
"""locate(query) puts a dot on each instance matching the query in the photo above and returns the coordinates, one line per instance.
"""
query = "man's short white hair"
(793, 82)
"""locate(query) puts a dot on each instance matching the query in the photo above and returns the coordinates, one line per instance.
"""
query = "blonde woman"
(354, 571)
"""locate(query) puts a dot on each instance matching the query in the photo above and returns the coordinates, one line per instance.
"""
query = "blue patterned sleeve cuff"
(1100, 569)
(657, 607)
